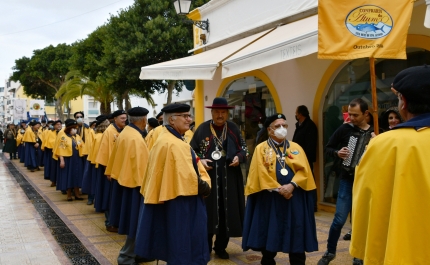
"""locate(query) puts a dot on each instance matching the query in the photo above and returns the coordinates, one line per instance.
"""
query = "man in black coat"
(221, 148)
(306, 135)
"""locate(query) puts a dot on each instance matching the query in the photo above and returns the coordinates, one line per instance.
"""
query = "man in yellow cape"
(391, 196)
(172, 222)
(127, 165)
(279, 214)
(105, 150)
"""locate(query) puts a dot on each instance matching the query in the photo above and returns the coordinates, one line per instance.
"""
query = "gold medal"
(284, 172)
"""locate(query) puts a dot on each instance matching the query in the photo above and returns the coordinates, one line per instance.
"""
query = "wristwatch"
(294, 184)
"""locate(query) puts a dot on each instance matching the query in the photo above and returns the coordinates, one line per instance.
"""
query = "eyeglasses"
(277, 126)
(185, 116)
(77, 117)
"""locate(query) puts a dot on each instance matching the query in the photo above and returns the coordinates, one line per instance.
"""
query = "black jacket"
(306, 135)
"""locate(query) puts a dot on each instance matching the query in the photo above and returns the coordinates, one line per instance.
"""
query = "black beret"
(102, 117)
(50, 122)
(23, 121)
(158, 115)
(74, 115)
(110, 116)
(176, 107)
(138, 111)
(43, 121)
(273, 118)
(71, 122)
(57, 121)
(118, 112)
(153, 122)
(35, 123)
(414, 84)
(93, 122)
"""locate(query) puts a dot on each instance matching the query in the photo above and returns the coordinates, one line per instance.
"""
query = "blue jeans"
(343, 208)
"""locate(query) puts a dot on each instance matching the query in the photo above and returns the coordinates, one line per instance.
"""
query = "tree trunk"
(127, 100)
(119, 103)
(105, 108)
(59, 109)
(68, 111)
(170, 88)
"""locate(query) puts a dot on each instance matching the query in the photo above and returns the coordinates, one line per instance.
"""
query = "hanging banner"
(20, 109)
(364, 28)
(37, 107)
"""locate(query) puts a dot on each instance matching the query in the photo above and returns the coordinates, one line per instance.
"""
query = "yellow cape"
(391, 199)
(29, 136)
(89, 137)
(170, 171)
(262, 172)
(106, 145)
(95, 149)
(129, 158)
(63, 145)
(152, 137)
(19, 137)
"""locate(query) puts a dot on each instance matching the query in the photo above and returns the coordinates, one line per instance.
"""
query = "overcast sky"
(28, 25)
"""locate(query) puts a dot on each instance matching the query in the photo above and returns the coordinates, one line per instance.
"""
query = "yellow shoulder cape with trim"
(129, 158)
(170, 172)
(262, 172)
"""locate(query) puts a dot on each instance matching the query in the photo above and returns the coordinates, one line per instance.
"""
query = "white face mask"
(73, 131)
(51, 127)
(22, 131)
(79, 120)
(281, 133)
(260, 125)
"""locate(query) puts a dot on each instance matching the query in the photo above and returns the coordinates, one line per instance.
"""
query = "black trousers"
(221, 240)
(295, 258)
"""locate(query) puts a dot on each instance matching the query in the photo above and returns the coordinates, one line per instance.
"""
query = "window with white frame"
(93, 107)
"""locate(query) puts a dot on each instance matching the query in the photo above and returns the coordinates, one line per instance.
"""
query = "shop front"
(269, 69)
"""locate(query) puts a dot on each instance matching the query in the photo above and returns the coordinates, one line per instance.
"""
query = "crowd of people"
(178, 195)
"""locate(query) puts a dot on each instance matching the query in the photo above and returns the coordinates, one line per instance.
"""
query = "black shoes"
(222, 254)
(356, 261)
(326, 258)
(347, 236)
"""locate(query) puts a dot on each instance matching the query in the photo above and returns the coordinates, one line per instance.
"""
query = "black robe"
(227, 181)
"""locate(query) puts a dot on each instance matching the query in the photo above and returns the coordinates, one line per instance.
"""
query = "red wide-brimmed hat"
(220, 103)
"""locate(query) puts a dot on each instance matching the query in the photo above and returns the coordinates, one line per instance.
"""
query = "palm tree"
(78, 85)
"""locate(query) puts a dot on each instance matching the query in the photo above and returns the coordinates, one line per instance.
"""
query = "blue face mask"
(51, 127)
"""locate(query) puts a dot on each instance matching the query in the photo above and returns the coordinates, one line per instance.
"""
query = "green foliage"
(43, 73)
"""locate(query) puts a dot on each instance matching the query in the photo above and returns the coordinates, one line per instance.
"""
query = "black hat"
(158, 115)
(43, 121)
(138, 111)
(70, 122)
(153, 122)
(93, 122)
(57, 121)
(176, 107)
(273, 118)
(23, 121)
(50, 122)
(35, 123)
(74, 115)
(220, 103)
(414, 84)
(118, 112)
(102, 117)
(110, 116)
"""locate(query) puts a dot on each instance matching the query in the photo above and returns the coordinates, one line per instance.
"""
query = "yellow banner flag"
(356, 29)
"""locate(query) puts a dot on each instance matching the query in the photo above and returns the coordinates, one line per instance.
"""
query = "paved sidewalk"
(88, 227)
(24, 237)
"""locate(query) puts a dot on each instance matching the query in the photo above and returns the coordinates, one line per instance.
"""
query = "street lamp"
(182, 7)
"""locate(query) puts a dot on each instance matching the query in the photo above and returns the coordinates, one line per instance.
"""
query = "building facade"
(262, 56)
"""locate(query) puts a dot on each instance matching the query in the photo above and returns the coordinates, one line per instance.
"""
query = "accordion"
(356, 145)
